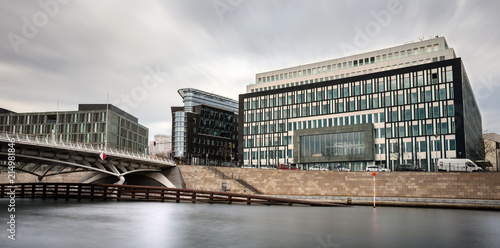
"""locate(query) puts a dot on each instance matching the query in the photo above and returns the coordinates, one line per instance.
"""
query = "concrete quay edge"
(405, 201)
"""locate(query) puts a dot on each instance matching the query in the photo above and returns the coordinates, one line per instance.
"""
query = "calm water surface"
(54, 224)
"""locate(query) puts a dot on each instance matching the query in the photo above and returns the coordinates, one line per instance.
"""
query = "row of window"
(420, 146)
(271, 154)
(350, 64)
(29, 119)
(425, 109)
(377, 85)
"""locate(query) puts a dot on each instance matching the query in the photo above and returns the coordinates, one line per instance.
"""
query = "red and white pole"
(374, 173)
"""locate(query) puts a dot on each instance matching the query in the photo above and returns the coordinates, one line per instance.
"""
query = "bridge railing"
(47, 140)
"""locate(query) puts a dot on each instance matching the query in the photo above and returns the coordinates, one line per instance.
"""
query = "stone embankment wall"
(199, 177)
(455, 185)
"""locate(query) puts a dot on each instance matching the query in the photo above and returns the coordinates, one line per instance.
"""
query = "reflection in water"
(49, 223)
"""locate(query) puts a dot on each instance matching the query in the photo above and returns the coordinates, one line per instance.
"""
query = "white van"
(457, 164)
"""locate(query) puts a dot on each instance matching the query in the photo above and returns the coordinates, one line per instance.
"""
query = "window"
(414, 98)
(420, 80)
(409, 147)
(452, 145)
(375, 102)
(381, 86)
(435, 111)
(382, 133)
(429, 129)
(415, 130)
(394, 116)
(451, 111)
(393, 84)
(449, 76)
(444, 128)
(422, 146)
(407, 114)
(428, 96)
(421, 113)
(406, 81)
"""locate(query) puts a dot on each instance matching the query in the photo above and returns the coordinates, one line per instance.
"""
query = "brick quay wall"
(453, 185)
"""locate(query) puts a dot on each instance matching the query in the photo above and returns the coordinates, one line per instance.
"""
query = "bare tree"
(353, 155)
(397, 152)
(162, 155)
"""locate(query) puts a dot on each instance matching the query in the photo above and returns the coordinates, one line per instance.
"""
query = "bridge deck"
(140, 193)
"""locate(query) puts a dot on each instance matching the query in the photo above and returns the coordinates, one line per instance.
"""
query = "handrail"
(81, 191)
(34, 139)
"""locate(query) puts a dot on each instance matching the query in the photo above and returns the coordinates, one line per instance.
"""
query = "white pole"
(374, 173)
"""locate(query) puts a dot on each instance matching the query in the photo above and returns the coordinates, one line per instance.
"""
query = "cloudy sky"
(142, 52)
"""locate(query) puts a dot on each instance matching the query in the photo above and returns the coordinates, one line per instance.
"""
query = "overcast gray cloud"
(142, 52)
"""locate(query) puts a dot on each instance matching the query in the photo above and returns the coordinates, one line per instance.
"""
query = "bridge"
(45, 157)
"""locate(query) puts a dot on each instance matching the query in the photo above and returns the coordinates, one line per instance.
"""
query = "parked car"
(342, 168)
(408, 167)
(376, 168)
(228, 164)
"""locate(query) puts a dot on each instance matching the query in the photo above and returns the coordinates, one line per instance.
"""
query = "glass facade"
(206, 129)
(413, 110)
(333, 144)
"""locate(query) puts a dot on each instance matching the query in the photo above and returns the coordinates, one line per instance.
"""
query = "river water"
(59, 223)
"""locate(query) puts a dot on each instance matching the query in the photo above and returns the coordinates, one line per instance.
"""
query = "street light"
(436, 136)
(206, 161)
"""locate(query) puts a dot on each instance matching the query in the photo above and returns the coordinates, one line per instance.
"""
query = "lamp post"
(206, 160)
(436, 136)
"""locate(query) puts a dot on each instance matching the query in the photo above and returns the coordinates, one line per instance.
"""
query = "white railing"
(46, 140)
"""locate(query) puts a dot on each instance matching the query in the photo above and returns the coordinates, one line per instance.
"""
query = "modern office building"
(205, 129)
(87, 125)
(161, 145)
(411, 103)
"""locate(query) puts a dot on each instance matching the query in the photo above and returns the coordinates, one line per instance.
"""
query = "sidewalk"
(405, 202)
